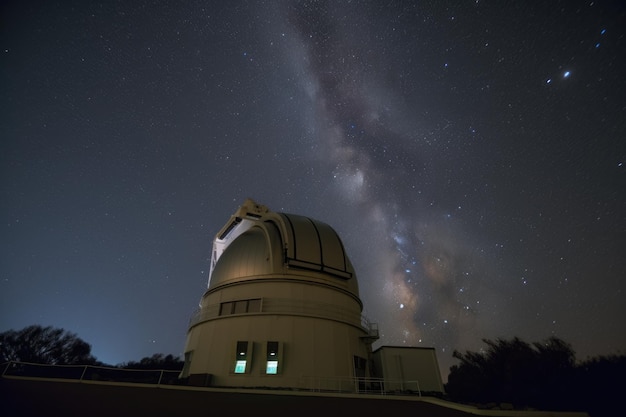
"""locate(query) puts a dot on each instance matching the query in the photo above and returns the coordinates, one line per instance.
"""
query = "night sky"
(470, 154)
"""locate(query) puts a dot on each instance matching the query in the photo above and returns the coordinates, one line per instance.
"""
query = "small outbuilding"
(407, 368)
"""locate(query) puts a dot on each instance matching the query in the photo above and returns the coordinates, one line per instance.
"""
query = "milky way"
(423, 278)
(470, 155)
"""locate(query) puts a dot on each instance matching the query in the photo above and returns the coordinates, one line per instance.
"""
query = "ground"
(38, 398)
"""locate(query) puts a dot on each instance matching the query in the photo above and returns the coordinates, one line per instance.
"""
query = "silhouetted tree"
(600, 384)
(157, 361)
(554, 368)
(513, 371)
(37, 344)
(543, 375)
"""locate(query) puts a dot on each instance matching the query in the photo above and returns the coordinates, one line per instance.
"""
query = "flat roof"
(403, 347)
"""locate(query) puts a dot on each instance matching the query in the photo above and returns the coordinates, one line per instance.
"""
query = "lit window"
(240, 367)
(272, 367)
(241, 357)
(273, 357)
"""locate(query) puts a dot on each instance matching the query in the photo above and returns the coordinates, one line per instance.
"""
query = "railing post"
(4, 371)
(83, 374)
(160, 377)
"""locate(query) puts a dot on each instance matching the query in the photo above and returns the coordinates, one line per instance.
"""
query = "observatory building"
(282, 310)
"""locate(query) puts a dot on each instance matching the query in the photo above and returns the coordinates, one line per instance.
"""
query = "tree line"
(55, 346)
(542, 375)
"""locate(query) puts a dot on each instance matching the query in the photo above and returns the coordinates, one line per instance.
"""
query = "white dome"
(289, 246)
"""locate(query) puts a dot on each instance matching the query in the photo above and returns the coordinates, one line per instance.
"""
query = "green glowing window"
(242, 355)
(240, 367)
(272, 367)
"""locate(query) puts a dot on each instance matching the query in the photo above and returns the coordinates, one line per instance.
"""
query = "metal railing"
(91, 373)
(362, 385)
(82, 373)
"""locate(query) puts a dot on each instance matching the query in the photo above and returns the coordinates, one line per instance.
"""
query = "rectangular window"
(254, 306)
(360, 366)
(240, 367)
(241, 307)
(242, 357)
(226, 309)
(272, 367)
(273, 351)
